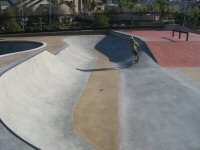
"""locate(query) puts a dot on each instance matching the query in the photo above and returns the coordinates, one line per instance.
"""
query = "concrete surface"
(43, 119)
(157, 111)
(54, 45)
(188, 76)
(117, 49)
(54, 106)
(7, 140)
(96, 114)
(171, 51)
(10, 142)
(80, 56)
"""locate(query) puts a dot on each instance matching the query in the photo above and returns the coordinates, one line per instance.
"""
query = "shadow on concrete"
(168, 39)
(120, 66)
(97, 69)
(117, 49)
(15, 141)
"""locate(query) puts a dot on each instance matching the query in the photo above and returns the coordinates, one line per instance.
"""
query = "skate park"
(86, 92)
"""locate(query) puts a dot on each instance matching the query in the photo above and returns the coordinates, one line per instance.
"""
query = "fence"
(43, 23)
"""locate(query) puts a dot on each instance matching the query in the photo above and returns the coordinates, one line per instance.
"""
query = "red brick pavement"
(172, 52)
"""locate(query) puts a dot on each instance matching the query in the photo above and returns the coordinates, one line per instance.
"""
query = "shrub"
(194, 17)
(190, 18)
(179, 18)
(102, 21)
(13, 26)
(10, 23)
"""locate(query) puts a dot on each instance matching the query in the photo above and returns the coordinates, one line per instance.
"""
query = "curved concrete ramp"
(155, 110)
(38, 96)
(80, 51)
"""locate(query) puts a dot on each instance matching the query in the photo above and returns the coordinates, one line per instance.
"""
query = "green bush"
(13, 26)
(179, 18)
(194, 17)
(10, 23)
(168, 21)
(102, 21)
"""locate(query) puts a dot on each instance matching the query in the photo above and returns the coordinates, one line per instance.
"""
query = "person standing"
(135, 46)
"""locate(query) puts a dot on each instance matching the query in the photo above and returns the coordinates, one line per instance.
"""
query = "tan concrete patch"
(96, 115)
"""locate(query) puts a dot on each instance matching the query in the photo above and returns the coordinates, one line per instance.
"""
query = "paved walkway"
(172, 52)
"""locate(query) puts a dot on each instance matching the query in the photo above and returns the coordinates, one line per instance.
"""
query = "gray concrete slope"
(157, 112)
(8, 141)
(83, 56)
(38, 96)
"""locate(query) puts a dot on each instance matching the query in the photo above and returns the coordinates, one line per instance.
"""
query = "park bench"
(181, 30)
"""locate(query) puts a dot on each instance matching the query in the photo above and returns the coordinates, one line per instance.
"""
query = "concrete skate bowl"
(8, 47)
(38, 96)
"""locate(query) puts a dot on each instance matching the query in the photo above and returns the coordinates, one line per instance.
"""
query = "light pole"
(0, 6)
(185, 6)
(22, 15)
(50, 12)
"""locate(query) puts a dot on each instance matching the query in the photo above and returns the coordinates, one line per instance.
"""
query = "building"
(60, 6)
(4, 5)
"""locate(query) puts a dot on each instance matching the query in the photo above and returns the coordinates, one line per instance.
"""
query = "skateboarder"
(135, 49)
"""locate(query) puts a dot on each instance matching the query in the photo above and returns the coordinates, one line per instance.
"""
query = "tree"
(102, 21)
(9, 21)
(174, 8)
(140, 7)
(193, 16)
(127, 4)
(162, 7)
(92, 5)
